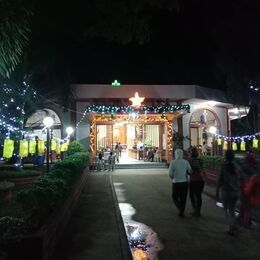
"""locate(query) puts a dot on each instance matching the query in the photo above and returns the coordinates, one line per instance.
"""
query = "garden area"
(212, 165)
(35, 205)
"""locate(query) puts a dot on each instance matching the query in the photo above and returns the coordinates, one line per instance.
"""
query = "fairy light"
(238, 138)
(11, 114)
(102, 109)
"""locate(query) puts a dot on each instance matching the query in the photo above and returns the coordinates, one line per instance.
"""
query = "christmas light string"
(23, 90)
(238, 138)
(103, 109)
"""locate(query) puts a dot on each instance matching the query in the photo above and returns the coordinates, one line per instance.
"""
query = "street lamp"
(48, 122)
(69, 130)
(213, 131)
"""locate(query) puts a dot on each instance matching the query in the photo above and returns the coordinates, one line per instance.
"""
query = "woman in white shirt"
(179, 168)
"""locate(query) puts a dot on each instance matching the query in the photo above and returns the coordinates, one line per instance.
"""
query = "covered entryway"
(137, 135)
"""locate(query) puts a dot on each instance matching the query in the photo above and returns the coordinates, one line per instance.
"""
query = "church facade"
(166, 117)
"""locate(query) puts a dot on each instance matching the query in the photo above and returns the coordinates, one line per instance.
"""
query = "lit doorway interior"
(149, 130)
(129, 135)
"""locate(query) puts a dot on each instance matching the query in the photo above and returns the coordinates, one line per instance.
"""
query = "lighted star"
(136, 100)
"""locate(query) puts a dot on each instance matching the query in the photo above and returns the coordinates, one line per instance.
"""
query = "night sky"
(201, 42)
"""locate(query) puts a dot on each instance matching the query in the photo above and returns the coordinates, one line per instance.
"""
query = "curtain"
(152, 135)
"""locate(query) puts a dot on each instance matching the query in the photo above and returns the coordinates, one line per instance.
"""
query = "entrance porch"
(139, 135)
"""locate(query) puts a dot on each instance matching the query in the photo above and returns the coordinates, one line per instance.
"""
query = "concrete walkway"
(95, 230)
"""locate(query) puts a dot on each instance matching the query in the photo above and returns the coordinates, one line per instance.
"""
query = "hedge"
(43, 196)
(212, 162)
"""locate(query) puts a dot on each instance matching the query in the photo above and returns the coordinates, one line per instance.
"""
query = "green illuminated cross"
(116, 83)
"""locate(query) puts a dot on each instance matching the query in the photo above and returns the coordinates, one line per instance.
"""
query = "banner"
(64, 147)
(234, 146)
(255, 143)
(41, 147)
(225, 145)
(57, 148)
(53, 145)
(243, 146)
(32, 146)
(8, 148)
(23, 148)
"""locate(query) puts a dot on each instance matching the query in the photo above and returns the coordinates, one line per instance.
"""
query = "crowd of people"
(237, 182)
(106, 158)
(149, 154)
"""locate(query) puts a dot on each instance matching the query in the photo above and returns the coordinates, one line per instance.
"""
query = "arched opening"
(200, 123)
(35, 123)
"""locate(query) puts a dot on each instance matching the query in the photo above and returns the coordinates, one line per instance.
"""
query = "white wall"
(83, 130)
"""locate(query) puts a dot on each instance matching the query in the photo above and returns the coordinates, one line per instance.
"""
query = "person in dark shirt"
(229, 181)
(196, 184)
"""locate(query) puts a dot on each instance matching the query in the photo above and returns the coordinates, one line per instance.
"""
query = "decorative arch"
(35, 122)
(200, 121)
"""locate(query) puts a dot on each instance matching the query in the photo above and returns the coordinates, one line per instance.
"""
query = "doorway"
(132, 136)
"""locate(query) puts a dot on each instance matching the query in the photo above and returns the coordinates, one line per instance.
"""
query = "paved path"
(93, 232)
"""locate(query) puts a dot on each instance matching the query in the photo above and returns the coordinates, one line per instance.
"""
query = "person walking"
(117, 152)
(229, 181)
(249, 168)
(178, 173)
(204, 148)
(111, 162)
(196, 184)
(252, 192)
(120, 149)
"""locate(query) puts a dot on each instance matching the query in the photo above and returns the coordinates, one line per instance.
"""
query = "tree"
(16, 99)
(14, 33)
(123, 21)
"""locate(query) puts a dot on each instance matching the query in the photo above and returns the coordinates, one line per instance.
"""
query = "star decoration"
(136, 100)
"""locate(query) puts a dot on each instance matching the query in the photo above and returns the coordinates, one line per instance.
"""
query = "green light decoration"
(116, 83)
(142, 109)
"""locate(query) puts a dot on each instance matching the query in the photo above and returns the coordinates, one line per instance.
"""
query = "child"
(111, 162)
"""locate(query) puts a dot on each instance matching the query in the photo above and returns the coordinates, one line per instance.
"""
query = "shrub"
(213, 162)
(75, 162)
(75, 147)
(19, 173)
(10, 227)
(5, 185)
(41, 197)
(45, 194)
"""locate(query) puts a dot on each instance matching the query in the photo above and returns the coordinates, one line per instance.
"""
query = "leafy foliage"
(14, 33)
(6, 185)
(17, 98)
(19, 173)
(123, 21)
(45, 194)
(75, 147)
(212, 162)
(10, 227)
(178, 139)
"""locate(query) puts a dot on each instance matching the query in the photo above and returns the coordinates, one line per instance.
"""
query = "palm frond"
(14, 33)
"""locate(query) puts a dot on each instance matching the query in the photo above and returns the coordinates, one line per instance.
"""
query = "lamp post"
(69, 131)
(48, 122)
(213, 131)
